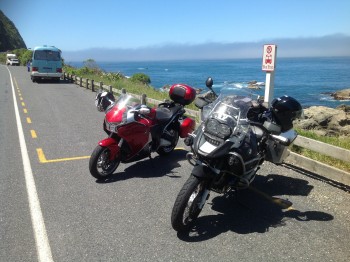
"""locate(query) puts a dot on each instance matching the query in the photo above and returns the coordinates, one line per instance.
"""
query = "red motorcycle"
(136, 130)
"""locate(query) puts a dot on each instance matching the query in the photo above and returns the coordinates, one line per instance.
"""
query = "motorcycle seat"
(164, 114)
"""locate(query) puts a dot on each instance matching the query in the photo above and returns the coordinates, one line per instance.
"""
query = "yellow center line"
(33, 133)
(42, 158)
(23, 104)
(25, 111)
(29, 121)
(21, 98)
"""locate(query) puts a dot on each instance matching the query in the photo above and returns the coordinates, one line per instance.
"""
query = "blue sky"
(167, 28)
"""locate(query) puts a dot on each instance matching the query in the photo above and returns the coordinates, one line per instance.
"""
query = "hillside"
(10, 38)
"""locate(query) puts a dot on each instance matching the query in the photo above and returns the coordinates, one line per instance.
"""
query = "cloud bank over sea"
(326, 46)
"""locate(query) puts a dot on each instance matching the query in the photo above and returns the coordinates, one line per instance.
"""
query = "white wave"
(331, 99)
(239, 85)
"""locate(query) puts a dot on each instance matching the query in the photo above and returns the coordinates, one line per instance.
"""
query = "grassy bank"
(343, 142)
(137, 84)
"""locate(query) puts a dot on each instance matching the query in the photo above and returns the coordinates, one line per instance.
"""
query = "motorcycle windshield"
(122, 109)
(227, 115)
(126, 102)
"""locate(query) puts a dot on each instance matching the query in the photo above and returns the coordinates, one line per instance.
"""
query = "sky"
(107, 30)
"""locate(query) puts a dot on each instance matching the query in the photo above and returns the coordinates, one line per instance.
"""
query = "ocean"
(309, 80)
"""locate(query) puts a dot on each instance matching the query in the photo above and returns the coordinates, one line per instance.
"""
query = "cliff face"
(10, 38)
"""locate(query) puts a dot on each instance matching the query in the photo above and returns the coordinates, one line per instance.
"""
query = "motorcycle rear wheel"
(100, 166)
(165, 150)
(186, 207)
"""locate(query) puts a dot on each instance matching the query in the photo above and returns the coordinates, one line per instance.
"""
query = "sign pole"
(268, 65)
(269, 86)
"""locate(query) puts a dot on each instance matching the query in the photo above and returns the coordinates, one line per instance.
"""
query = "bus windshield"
(47, 55)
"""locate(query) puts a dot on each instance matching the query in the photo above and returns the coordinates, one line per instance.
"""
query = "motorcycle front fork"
(204, 198)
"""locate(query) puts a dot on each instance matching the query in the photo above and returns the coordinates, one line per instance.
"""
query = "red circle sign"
(269, 49)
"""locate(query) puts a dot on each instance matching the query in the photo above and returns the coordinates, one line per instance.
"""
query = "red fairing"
(108, 142)
(136, 134)
(187, 126)
(182, 94)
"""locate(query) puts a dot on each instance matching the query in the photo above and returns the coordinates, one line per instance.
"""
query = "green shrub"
(2, 58)
(24, 56)
(142, 78)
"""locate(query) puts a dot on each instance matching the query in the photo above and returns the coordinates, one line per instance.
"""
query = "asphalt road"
(127, 218)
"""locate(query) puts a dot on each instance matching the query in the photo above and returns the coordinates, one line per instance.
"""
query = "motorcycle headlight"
(218, 129)
(211, 126)
(112, 127)
(224, 130)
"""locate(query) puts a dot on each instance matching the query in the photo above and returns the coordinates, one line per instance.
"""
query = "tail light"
(35, 68)
(59, 70)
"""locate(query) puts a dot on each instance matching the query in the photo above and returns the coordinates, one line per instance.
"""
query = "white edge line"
(41, 239)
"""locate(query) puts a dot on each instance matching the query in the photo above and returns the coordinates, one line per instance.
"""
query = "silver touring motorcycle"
(237, 134)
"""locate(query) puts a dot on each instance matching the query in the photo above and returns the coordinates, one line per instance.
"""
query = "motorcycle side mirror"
(209, 83)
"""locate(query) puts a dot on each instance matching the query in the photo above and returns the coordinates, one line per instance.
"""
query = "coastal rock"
(341, 94)
(255, 84)
(326, 121)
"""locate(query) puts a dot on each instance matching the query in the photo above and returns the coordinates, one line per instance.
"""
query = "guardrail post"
(92, 85)
(81, 82)
(123, 91)
(101, 86)
(87, 83)
(143, 99)
(111, 89)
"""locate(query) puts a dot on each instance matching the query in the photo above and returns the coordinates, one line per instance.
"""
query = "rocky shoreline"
(342, 94)
(326, 121)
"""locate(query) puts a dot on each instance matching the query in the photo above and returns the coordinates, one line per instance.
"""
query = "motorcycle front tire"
(186, 207)
(100, 166)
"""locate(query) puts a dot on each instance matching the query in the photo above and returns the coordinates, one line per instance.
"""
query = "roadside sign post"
(269, 65)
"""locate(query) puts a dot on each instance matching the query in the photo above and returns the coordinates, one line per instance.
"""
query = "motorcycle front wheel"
(189, 203)
(100, 165)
